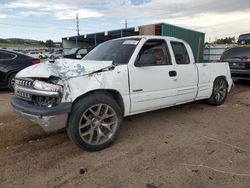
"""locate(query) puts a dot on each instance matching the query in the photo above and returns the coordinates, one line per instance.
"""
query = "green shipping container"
(194, 38)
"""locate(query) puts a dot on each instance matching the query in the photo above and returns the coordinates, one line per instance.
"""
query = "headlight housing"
(40, 85)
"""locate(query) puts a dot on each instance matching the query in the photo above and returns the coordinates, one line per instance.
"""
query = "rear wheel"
(94, 122)
(220, 91)
(11, 82)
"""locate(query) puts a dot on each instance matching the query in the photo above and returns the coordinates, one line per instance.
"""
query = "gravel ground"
(192, 145)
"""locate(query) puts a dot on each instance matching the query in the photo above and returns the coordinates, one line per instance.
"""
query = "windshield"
(119, 51)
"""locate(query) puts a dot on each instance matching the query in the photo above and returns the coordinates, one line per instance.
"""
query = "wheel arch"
(8, 76)
(221, 77)
(113, 93)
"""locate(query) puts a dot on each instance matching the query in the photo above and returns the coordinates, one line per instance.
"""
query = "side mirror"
(78, 56)
(145, 60)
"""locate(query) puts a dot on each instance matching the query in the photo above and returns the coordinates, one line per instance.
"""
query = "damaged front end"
(41, 90)
(39, 100)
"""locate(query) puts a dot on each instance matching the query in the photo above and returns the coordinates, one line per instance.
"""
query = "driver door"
(152, 78)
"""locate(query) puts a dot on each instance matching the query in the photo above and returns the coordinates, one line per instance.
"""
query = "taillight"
(35, 61)
(248, 59)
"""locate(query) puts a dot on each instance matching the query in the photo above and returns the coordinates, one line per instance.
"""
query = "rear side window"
(6, 56)
(180, 53)
(242, 52)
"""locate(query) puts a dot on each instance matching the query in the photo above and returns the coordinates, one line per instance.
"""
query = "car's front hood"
(64, 68)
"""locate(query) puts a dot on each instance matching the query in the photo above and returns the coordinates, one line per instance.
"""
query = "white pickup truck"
(118, 78)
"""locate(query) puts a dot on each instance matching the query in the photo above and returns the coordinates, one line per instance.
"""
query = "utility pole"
(77, 29)
(126, 23)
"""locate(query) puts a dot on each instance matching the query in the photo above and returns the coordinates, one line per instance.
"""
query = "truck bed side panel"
(208, 72)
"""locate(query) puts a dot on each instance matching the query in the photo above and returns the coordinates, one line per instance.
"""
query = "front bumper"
(50, 119)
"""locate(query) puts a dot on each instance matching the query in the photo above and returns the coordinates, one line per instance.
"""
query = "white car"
(121, 77)
(55, 54)
(37, 55)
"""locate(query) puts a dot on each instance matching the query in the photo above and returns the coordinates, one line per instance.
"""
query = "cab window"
(153, 53)
(180, 53)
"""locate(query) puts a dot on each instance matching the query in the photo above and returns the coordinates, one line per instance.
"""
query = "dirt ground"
(193, 145)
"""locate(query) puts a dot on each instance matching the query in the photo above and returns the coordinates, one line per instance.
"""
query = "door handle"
(172, 73)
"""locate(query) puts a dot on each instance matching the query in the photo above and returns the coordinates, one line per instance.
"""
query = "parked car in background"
(239, 62)
(76, 53)
(244, 39)
(118, 78)
(37, 55)
(55, 54)
(10, 63)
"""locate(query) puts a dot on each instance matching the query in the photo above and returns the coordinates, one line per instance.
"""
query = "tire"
(40, 57)
(220, 91)
(52, 57)
(11, 82)
(94, 122)
(243, 42)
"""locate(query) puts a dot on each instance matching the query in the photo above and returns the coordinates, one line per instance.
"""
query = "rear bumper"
(50, 119)
(240, 74)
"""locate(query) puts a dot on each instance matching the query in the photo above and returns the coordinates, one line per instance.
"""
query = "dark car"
(76, 53)
(239, 62)
(10, 63)
(244, 39)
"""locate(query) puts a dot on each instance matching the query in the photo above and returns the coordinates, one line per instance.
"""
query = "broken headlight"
(40, 85)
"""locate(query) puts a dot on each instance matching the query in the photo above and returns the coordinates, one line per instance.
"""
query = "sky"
(54, 19)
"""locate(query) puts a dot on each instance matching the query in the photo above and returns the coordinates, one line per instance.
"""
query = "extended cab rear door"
(187, 72)
(152, 77)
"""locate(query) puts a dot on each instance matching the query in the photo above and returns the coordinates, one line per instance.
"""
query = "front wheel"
(94, 122)
(220, 91)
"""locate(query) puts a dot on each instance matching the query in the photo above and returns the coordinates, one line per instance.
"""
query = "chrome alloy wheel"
(98, 124)
(220, 90)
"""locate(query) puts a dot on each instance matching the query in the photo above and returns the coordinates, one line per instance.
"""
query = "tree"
(41, 43)
(227, 40)
(49, 43)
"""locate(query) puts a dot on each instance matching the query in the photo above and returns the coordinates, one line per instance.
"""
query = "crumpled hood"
(64, 68)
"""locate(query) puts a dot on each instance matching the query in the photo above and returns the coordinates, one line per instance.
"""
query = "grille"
(24, 95)
(28, 83)
(45, 101)
(24, 82)
(23, 90)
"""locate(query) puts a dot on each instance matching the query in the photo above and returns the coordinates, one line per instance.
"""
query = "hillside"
(16, 42)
